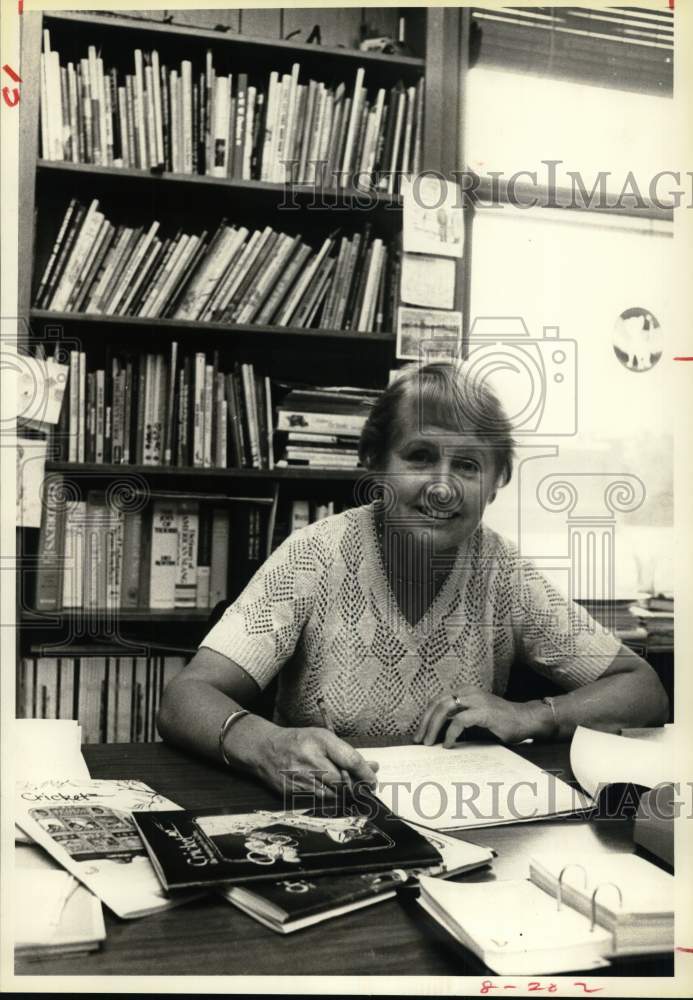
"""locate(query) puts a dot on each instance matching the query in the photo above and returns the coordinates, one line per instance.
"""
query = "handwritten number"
(486, 986)
(11, 95)
(586, 989)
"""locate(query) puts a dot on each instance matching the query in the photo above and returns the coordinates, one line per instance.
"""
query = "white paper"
(426, 335)
(39, 900)
(48, 748)
(428, 281)
(86, 826)
(645, 889)
(433, 218)
(31, 463)
(472, 785)
(599, 759)
(44, 749)
(40, 389)
(515, 926)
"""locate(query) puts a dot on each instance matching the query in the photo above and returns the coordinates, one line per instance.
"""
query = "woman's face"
(439, 482)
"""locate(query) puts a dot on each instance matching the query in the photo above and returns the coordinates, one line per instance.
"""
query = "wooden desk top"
(211, 937)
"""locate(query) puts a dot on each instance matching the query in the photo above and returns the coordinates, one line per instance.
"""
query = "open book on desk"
(608, 905)
(472, 785)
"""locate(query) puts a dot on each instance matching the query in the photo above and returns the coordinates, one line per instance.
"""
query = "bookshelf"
(251, 41)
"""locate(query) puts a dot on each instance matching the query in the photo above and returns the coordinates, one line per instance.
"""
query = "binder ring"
(559, 887)
(594, 900)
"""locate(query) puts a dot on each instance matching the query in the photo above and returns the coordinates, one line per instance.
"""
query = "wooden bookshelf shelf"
(174, 472)
(196, 327)
(305, 194)
(122, 615)
(394, 64)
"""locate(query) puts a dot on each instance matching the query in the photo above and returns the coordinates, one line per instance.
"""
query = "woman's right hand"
(310, 759)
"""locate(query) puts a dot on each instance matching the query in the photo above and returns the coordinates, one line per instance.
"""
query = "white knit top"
(321, 610)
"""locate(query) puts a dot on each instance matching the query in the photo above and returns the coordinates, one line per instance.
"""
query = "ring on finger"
(458, 704)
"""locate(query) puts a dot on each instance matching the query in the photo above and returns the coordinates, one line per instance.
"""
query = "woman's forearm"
(192, 714)
(628, 694)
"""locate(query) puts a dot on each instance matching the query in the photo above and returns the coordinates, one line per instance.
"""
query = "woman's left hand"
(510, 721)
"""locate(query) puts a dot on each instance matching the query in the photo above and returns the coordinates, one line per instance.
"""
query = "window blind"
(624, 47)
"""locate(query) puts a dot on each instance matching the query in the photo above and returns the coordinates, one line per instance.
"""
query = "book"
(49, 574)
(87, 827)
(163, 556)
(359, 835)
(54, 914)
(290, 905)
(576, 911)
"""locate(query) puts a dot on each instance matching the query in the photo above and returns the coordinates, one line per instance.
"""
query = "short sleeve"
(260, 630)
(558, 637)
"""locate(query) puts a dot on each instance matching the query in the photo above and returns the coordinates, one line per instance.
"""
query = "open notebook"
(522, 926)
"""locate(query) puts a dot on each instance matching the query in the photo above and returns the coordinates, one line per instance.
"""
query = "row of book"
(264, 277)
(115, 698)
(153, 409)
(192, 119)
(175, 552)
(323, 426)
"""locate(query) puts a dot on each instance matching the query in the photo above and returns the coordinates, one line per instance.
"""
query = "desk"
(211, 937)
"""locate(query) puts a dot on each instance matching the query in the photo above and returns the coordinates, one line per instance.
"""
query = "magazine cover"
(214, 846)
(87, 827)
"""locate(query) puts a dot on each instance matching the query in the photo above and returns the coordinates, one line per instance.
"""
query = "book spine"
(73, 565)
(204, 558)
(114, 558)
(186, 559)
(198, 409)
(132, 552)
(164, 549)
(51, 546)
(208, 416)
(219, 570)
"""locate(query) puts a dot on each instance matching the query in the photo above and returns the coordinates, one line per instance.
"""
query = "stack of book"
(171, 554)
(153, 409)
(264, 277)
(655, 614)
(323, 426)
(115, 698)
(192, 119)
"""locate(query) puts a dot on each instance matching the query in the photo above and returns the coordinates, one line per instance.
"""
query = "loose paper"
(433, 218)
(470, 786)
(428, 281)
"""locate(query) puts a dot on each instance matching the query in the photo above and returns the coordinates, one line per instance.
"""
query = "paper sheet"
(39, 899)
(473, 785)
(428, 281)
(45, 749)
(599, 759)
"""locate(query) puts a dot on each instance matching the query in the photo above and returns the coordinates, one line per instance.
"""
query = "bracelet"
(225, 726)
(552, 705)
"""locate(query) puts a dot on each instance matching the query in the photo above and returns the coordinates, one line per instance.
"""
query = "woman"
(403, 615)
